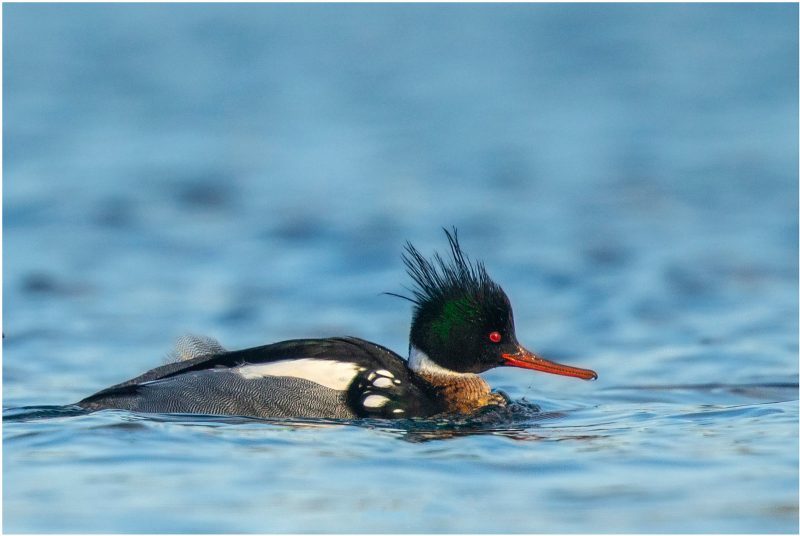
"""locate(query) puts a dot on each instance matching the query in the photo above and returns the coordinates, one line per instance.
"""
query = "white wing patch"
(382, 382)
(375, 401)
(333, 374)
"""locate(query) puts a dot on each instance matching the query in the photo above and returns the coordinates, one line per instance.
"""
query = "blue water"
(628, 173)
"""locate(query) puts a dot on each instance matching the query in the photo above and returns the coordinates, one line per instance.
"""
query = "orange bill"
(527, 359)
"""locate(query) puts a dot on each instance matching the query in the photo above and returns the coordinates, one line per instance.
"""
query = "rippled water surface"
(628, 173)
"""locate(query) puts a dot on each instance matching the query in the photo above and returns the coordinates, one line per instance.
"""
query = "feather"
(191, 346)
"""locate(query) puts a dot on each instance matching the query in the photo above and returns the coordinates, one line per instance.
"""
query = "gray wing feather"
(223, 392)
(191, 346)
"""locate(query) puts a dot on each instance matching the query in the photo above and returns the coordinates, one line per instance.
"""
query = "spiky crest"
(442, 279)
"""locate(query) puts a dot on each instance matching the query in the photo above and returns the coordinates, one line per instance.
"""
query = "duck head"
(463, 321)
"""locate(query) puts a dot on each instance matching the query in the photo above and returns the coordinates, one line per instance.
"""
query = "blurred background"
(627, 172)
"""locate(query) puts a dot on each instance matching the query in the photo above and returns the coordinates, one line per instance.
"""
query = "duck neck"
(460, 392)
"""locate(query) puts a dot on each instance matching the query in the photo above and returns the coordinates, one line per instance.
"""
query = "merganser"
(462, 326)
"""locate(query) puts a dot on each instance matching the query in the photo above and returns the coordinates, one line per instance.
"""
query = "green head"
(463, 321)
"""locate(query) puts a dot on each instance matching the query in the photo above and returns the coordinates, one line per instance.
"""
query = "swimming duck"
(462, 325)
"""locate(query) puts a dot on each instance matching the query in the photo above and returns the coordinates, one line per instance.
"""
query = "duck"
(462, 325)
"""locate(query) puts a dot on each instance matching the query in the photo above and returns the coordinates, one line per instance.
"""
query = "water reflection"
(517, 421)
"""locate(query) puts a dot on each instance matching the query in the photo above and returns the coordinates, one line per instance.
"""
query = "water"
(628, 173)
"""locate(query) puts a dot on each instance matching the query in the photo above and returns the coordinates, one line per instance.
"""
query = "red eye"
(495, 336)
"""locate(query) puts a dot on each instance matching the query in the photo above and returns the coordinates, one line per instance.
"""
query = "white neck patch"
(333, 374)
(419, 362)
